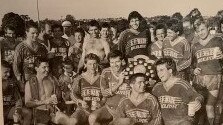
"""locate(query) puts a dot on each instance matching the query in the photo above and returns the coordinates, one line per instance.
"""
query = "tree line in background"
(19, 21)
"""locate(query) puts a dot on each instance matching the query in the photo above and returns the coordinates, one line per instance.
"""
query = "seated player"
(112, 87)
(41, 93)
(12, 102)
(139, 108)
(174, 94)
(86, 91)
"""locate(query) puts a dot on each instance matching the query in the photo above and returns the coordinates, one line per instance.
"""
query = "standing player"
(157, 46)
(8, 44)
(112, 88)
(26, 53)
(174, 94)
(135, 40)
(94, 45)
(59, 50)
(86, 90)
(75, 50)
(208, 66)
(140, 107)
(177, 47)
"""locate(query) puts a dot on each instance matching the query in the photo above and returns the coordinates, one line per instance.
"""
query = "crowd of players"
(170, 74)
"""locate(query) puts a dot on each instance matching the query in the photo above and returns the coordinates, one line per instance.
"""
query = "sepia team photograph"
(111, 62)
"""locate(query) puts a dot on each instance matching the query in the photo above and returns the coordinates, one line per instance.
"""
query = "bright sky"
(81, 9)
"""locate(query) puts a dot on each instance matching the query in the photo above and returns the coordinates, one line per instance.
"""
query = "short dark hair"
(80, 30)
(200, 22)
(67, 62)
(169, 62)
(40, 60)
(5, 64)
(133, 77)
(43, 25)
(57, 26)
(91, 56)
(160, 26)
(175, 25)
(114, 54)
(94, 23)
(135, 14)
(9, 27)
(31, 24)
(113, 24)
(105, 25)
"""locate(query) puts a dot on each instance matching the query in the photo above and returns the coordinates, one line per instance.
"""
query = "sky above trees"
(88, 9)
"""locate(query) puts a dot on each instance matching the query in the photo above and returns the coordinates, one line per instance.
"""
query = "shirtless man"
(40, 93)
(94, 44)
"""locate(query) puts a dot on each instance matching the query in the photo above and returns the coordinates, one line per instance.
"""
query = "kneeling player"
(140, 107)
(113, 88)
(175, 95)
(86, 91)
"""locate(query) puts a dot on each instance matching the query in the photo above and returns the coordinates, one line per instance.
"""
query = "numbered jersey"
(146, 111)
(208, 57)
(173, 101)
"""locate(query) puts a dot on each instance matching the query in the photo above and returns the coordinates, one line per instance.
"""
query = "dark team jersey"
(8, 48)
(109, 80)
(147, 111)
(132, 44)
(174, 101)
(208, 57)
(65, 84)
(87, 91)
(23, 65)
(179, 50)
(157, 50)
(10, 93)
(60, 46)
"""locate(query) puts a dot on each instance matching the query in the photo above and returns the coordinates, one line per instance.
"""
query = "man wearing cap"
(67, 29)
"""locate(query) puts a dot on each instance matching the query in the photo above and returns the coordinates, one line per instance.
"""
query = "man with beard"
(135, 40)
(175, 94)
(26, 53)
(45, 35)
(112, 87)
(208, 55)
(8, 44)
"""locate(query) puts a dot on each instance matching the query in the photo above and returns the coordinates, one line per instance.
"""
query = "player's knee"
(27, 113)
(73, 121)
(212, 97)
(92, 117)
(210, 111)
